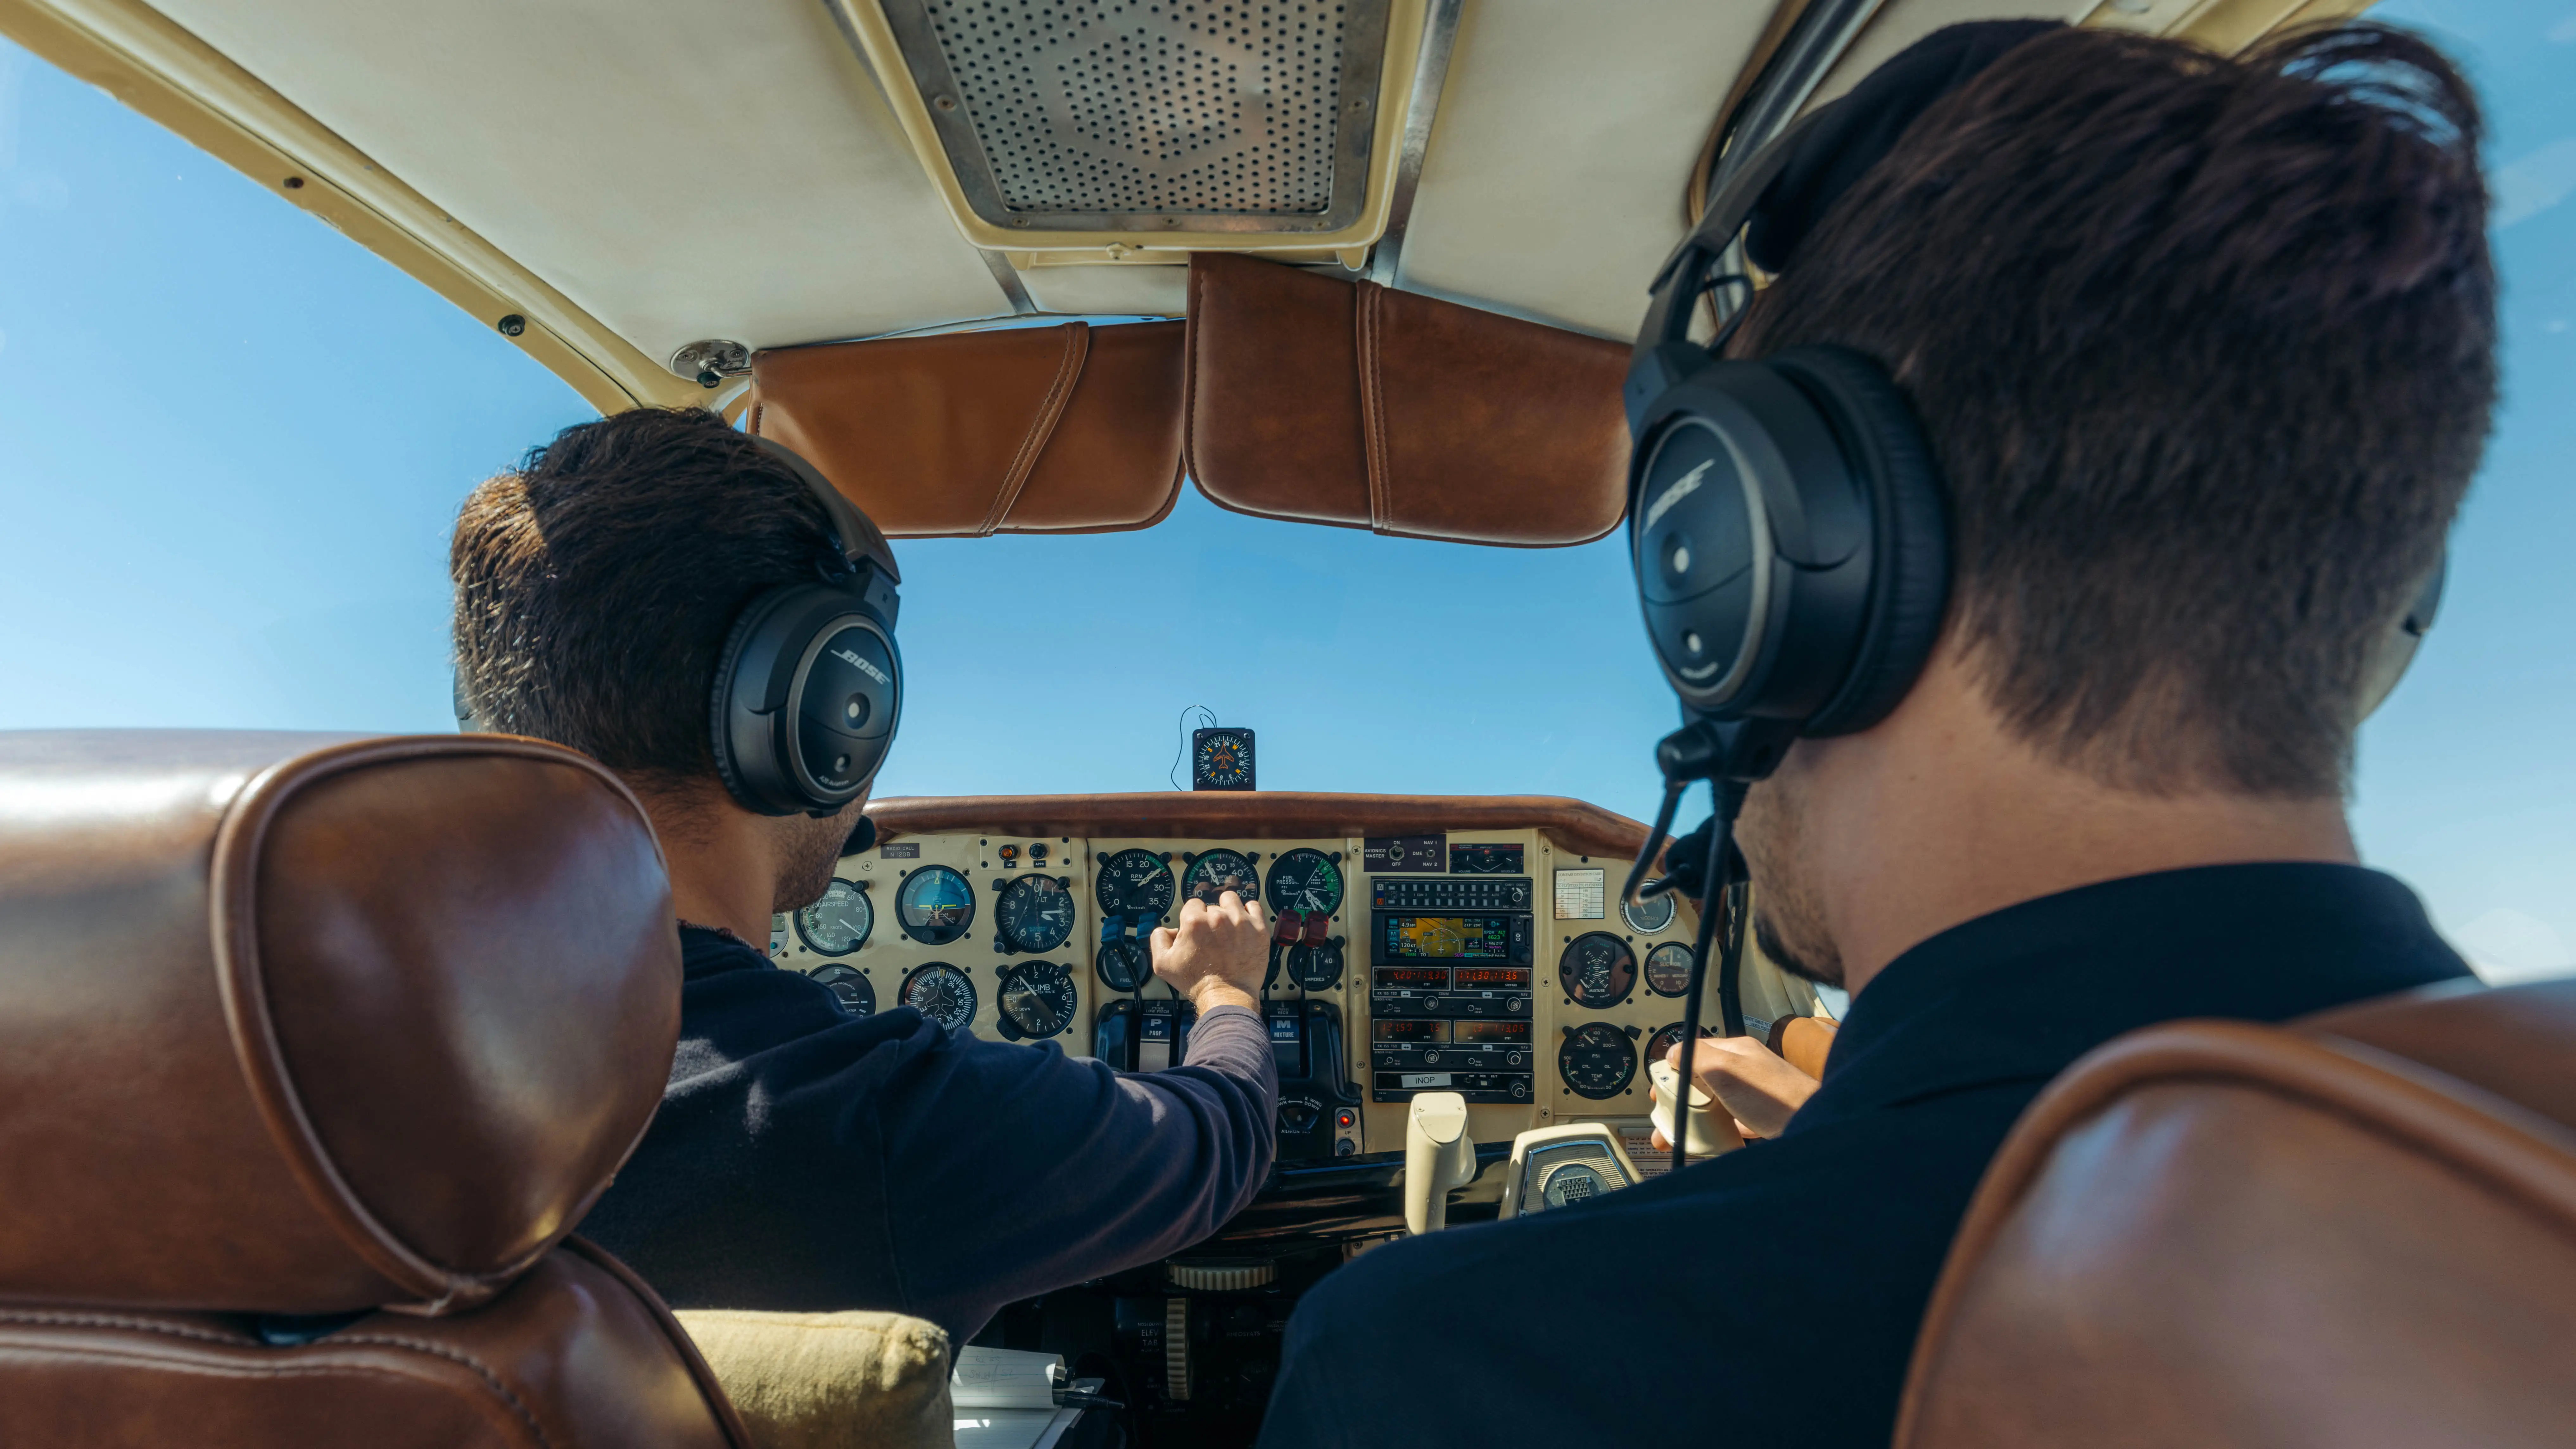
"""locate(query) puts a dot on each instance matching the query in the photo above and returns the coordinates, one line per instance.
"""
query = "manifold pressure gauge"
(1221, 759)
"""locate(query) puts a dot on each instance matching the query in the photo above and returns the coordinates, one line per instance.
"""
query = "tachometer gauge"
(1123, 964)
(850, 988)
(1648, 916)
(1317, 967)
(935, 905)
(1037, 1000)
(1219, 871)
(1596, 1060)
(1668, 969)
(1134, 883)
(1035, 913)
(1661, 1044)
(942, 993)
(1307, 882)
(839, 923)
(1597, 970)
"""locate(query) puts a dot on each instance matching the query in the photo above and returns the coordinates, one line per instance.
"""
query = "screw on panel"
(512, 325)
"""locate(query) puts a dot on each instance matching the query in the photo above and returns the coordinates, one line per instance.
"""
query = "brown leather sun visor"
(1323, 401)
(1071, 429)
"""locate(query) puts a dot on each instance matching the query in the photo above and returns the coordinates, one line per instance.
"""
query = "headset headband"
(857, 539)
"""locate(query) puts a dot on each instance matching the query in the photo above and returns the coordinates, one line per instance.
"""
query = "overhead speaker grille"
(1151, 115)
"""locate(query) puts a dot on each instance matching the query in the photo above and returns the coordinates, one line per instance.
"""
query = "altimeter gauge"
(1037, 1001)
(850, 988)
(1217, 872)
(935, 905)
(1035, 913)
(1305, 881)
(1597, 1060)
(838, 923)
(942, 993)
(1134, 883)
(1597, 970)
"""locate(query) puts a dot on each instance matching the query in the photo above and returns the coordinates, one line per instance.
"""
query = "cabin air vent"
(1151, 115)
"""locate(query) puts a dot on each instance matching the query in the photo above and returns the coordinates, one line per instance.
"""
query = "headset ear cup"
(1910, 573)
(720, 707)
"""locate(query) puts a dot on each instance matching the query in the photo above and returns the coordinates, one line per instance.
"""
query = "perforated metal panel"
(1151, 115)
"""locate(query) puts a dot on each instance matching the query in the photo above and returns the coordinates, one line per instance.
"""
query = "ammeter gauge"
(838, 923)
(1597, 1060)
(1317, 967)
(942, 993)
(1035, 913)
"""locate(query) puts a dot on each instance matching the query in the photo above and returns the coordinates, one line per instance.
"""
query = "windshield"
(236, 442)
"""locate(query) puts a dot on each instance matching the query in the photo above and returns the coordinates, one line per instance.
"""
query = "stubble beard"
(813, 851)
(1788, 919)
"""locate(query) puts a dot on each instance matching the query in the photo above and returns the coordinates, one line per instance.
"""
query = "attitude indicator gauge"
(838, 923)
(1305, 881)
(1219, 871)
(1123, 964)
(850, 988)
(942, 993)
(1668, 969)
(935, 905)
(1037, 1001)
(1597, 1060)
(1597, 970)
(1648, 916)
(1035, 913)
(1134, 883)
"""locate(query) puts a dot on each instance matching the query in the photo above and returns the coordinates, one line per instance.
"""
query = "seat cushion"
(825, 1380)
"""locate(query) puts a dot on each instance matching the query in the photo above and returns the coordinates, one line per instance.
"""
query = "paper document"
(1004, 1378)
(1012, 1428)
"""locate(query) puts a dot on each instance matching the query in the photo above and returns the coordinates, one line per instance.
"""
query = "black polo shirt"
(1770, 1297)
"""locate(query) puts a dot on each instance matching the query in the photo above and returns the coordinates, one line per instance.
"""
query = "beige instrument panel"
(1570, 902)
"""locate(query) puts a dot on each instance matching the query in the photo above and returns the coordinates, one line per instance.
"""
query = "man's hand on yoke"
(1218, 953)
(1749, 1080)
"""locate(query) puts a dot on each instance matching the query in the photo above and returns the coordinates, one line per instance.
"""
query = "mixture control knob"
(1235, 1277)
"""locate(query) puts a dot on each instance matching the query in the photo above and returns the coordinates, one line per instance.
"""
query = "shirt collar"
(2019, 994)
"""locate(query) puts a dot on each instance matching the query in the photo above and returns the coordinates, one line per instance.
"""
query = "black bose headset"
(1786, 521)
(809, 686)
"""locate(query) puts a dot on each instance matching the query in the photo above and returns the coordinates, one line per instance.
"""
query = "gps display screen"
(1445, 938)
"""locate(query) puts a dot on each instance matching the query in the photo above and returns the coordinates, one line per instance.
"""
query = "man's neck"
(1942, 820)
(724, 870)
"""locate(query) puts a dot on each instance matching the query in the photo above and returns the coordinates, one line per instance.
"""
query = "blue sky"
(234, 442)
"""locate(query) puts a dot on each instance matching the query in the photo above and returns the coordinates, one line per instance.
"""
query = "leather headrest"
(310, 1024)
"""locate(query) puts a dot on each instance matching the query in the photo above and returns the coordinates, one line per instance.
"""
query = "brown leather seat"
(2359, 1232)
(312, 1051)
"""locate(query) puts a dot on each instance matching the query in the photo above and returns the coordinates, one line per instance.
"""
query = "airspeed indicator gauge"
(839, 922)
(1217, 872)
(1035, 913)
(1037, 1001)
(1307, 882)
(942, 993)
(935, 905)
(1596, 1061)
(1134, 883)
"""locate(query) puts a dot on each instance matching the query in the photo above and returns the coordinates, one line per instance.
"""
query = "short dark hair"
(596, 583)
(2205, 348)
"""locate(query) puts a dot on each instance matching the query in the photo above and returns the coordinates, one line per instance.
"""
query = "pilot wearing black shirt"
(2204, 348)
(804, 1159)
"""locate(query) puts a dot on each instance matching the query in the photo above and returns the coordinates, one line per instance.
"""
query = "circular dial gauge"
(1661, 1044)
(1219, 871)
(1597, 970)
(1648, 916)
(1668, 969)
(1134, 883)
(1317, 967)
(1123, 965)
(851, 989)
(935, 905)
(1596, 1061)
(1037, 1000)
(1035, 913)
(942, 993)
(1225, 761)
(839, 923)
(1305, 881)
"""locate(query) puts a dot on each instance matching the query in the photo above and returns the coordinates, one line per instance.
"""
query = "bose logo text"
(861, 665)
(1682, 488)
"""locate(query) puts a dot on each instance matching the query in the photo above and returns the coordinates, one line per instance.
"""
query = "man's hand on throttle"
(1749, 1080)
(1218, 953)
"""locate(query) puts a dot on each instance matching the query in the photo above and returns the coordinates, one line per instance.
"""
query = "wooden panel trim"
(1573, 825)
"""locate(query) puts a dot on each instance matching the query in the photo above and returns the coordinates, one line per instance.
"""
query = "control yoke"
(1438, 1156)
